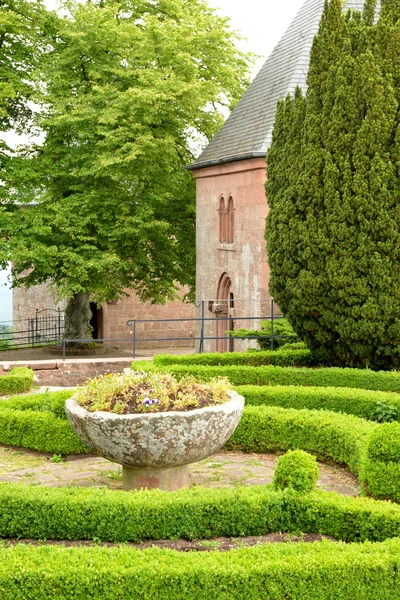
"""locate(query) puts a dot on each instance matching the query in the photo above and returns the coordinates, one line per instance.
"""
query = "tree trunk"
(77, 318)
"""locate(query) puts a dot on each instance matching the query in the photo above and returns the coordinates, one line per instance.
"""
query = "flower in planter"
(141, 392)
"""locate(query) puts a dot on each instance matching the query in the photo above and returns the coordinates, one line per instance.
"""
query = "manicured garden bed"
(318, 571)
(385, 381)
(18, 380)
(316, 412)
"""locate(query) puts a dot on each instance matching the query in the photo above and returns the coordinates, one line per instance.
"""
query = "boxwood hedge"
(18, 380)
(367, 404)
(386, 381)
(317, 572)
(342, 438)
(199, 513)
(291, 357)
(39, 422)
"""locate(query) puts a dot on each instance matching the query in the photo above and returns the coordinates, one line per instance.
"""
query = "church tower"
(232, 266)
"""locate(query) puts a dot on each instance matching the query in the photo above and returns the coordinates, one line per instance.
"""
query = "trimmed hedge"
(39, 422)
(317, 572)
(342, 438)
(383, 464)
(386, 381)
(287, 358)
(109, 515)
(360, 403)
(296, 470)
(53, 402)
(18, 380)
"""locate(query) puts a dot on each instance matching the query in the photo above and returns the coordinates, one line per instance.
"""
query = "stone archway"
(224, 310)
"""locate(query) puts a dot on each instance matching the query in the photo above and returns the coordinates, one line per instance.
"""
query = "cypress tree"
(335, 253)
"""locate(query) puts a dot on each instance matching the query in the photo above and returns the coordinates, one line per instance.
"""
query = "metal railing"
(202, 337)
(47, 326)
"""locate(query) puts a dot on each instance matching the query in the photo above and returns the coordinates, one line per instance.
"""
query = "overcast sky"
(262, 22)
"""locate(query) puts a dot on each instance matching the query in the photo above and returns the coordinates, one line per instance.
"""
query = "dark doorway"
(231, 321)
(94, 321)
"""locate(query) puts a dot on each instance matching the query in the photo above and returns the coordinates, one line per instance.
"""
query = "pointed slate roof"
(247, 133)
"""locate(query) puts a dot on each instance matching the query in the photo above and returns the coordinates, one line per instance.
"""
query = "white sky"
(262, 22)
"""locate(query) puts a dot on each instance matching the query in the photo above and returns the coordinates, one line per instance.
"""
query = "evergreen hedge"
(39, 422)
(382, 473)
(41, 513)
(18, 380)
(386, 381)
(287, 358)
(367, 404)
(320, 571)
(342, 438)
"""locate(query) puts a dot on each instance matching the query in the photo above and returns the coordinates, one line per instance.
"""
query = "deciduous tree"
(126, 91)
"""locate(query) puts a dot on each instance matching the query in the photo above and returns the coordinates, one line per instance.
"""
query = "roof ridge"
(247, 132)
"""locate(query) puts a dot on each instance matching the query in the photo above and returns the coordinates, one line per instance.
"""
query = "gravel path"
(225, 469)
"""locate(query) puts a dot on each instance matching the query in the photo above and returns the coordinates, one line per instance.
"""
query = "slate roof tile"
(248, 130)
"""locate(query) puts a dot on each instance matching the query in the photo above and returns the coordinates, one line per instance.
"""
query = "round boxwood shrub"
(296, 470)
(382, 469)
(384, 444)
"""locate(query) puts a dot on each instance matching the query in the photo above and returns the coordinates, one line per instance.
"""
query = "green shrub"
(296, 470)
(39, 422)
(382, 473)
(386, 381)
(41, 431)
(282, 327)
(342, 438)
(292, 346)
(314, 571)
(108, 515)
(255, 359)
(53, 402)
(20, 379)
(371, 405)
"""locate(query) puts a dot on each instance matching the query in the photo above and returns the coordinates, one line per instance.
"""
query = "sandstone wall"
(243, 261)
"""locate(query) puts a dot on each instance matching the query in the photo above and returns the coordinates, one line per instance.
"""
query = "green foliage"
(199, 513)
(281, 327)
(21, 25)
(144, 392)
(292, 346)
(39, 422)
(385, 413)
(271, 375)
(367, 404)
(383, 465)
(333, 232)
(291, 571)
(341, 438)
(48, 402)
(290, 357)
(41, 431)
(20, 379)
(296, 470)
(124, 90)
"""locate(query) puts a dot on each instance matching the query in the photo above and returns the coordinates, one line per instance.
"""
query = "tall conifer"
(342, 237)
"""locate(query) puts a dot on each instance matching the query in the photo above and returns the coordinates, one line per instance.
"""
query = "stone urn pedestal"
(155, 449)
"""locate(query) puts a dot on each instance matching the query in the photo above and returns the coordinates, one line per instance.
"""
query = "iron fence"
(47, 326)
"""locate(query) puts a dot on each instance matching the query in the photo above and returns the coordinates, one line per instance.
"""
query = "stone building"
(110, 320)
(232, 266)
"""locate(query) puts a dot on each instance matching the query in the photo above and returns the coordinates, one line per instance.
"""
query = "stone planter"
(154, 449)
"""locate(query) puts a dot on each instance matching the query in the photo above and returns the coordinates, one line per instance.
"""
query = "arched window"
(230, 217)
(222, 220)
